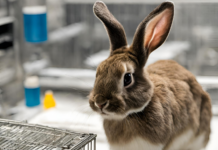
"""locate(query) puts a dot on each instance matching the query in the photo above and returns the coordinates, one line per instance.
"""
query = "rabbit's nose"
(100, 101)
(102, 105)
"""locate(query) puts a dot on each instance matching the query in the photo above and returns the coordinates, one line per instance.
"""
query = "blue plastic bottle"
(32, 91)
(35, 23)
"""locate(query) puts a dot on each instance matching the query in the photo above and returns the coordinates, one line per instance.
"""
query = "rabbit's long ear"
(153, 31)
(114, 29)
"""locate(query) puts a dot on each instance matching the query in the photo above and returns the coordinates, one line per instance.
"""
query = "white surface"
(67, 83)
(215, 109)
(168, 50)
(67, 73)
(6, 20)
(67, 32)
(84, 78)
(6, 75)
(73, 112)
(95, 59)
(137, 144)
(67, 78)
(35, 66)
(21, 112)
(208, 81)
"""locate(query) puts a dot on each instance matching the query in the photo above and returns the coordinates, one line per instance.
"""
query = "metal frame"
(23, 136)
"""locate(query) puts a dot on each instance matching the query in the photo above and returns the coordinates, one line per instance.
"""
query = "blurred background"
(76, 42)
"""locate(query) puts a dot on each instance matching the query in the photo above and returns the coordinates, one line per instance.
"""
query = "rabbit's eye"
(127, 79)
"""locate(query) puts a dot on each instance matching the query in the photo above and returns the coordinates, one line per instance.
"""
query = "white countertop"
(73, 112)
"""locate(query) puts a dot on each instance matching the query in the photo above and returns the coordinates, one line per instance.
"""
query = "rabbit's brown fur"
(178, 103)
(164, 101)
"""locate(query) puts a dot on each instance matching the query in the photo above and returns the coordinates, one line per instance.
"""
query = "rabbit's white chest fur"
(137, 144)
(185, 141)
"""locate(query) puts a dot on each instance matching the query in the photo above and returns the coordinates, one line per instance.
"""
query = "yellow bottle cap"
(49, 101)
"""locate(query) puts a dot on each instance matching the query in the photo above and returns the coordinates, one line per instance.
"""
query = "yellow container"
(49, 101)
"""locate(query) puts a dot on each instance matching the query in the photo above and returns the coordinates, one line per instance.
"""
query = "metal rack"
(16, 135)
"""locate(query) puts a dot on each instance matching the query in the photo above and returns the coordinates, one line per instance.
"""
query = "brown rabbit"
(161, 107)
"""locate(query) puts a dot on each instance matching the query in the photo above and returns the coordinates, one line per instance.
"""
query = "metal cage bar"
(23, 136)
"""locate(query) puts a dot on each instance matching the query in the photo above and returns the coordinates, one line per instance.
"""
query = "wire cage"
(15, 135)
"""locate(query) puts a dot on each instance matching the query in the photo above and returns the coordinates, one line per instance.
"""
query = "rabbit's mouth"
(110, 113)
(103, 113)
